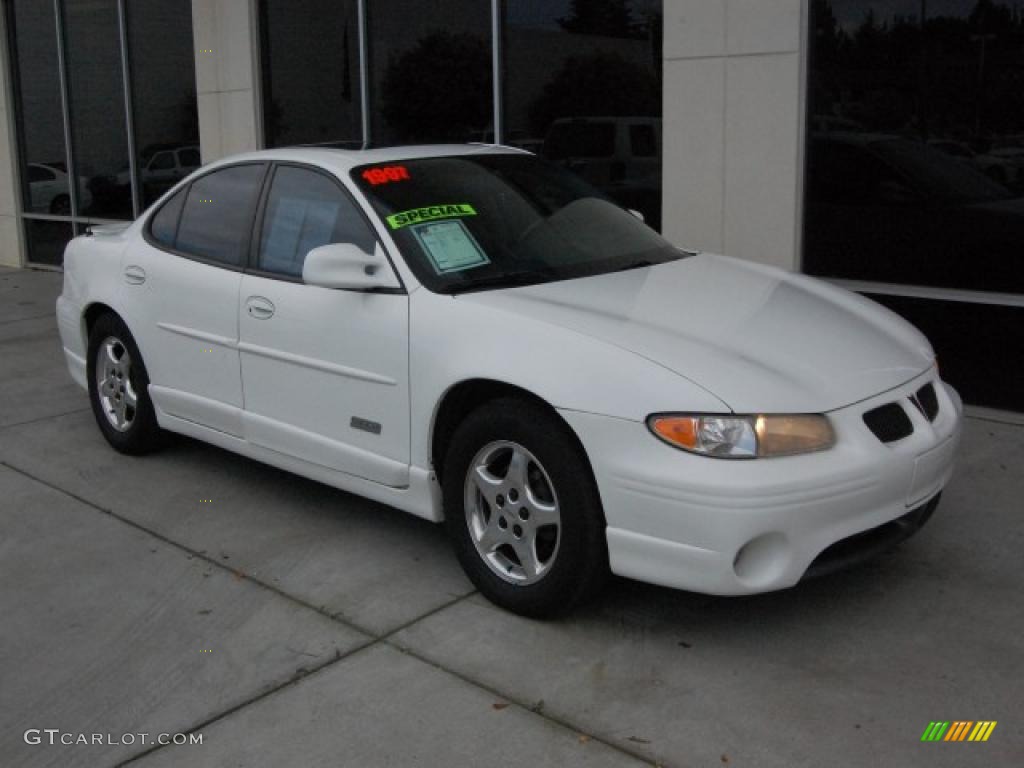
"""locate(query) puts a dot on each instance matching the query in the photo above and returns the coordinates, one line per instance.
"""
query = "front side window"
(485, 221)
(305, 209)
(218, 212)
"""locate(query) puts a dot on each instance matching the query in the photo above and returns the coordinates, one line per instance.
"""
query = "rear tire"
(523, 511)
(119, 389)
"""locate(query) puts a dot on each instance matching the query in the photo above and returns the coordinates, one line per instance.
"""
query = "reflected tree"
(598, 84)
(440, 90)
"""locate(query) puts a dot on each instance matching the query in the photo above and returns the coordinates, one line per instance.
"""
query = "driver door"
(325, 371)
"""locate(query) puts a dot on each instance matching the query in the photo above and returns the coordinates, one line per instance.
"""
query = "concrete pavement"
(292, 624)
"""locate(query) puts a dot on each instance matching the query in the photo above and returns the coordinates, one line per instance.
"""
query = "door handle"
(259, 307)
(134, 275)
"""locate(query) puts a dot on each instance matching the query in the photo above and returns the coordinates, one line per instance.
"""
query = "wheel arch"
(91, 314)
(466, 396)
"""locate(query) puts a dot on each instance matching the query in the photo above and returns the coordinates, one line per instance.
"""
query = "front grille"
(889, 422)
(926, 401)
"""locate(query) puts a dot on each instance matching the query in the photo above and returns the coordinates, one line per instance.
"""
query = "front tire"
(523, 511)
(119, 389)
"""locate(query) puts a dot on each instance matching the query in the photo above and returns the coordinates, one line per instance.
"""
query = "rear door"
(181, 295)
(325, 371)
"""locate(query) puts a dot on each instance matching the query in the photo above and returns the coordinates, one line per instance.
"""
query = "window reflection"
(44, 177)
(430, 71)
(582, 82)
(915, 165)
(163, 95)
(96, 97)
(310, 58)
(46, 240)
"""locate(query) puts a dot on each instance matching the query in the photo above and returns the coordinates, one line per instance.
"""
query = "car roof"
(344, 160)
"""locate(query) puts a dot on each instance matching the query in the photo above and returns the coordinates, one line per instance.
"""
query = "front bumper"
(732, 527)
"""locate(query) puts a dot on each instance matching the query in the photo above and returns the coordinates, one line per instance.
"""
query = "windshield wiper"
(498, 281)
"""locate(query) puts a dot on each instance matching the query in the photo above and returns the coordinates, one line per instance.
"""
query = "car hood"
(758, 338)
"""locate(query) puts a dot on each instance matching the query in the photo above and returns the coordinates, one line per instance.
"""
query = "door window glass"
(217, 218)
(164, 226)
(305, 210)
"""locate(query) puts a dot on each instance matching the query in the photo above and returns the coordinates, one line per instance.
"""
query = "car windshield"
(475, 222)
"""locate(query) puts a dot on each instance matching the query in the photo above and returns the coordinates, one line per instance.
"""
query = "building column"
(226, 47)
(734, 127)
(11, 243)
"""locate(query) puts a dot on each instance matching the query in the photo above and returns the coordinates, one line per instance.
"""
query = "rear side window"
(164, 226)
(305, 210)
(217, 216)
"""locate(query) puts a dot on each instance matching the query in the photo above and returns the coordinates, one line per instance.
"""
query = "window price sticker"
(450, 246)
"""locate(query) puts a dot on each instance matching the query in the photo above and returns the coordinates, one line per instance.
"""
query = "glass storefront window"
(90, 107)
(163, 81)
(45, 240)
(310, 59)
(582, 87)
(915, 158)
(431, 74)
(45, 180)
(96, 98)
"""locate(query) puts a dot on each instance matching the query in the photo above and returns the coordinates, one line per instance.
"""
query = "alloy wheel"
(512, 512)
(114, 386)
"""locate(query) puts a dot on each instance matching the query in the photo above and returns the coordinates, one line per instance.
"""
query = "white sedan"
(474, 336)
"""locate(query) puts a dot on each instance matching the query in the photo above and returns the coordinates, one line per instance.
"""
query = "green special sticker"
(429, 213)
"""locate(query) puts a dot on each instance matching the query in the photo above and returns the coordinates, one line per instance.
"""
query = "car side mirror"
(349, 267)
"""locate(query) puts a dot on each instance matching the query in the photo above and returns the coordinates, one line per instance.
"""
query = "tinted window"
(643, 141)
(911, 107)
(96, 100)
(189, 158)
(580, 139)
(310, 59)
(217, 218)
(162, 162)
(38, 173)
(164, 225)
(163, 85)
(577, 71)
(431, 77)
(305, 209)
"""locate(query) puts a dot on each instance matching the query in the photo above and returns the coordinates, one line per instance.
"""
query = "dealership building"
(875, 143)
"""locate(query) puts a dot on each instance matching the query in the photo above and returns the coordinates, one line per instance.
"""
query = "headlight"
(744, 437)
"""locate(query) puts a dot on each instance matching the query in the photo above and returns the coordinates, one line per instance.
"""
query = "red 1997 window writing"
(386, 174)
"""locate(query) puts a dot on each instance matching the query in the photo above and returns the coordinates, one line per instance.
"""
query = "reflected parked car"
(164, 168)
(888, 208)
(50, 192)
(621, 156)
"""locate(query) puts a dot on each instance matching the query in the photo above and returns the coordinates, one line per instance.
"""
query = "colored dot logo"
(206, 650)
(206, 501)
